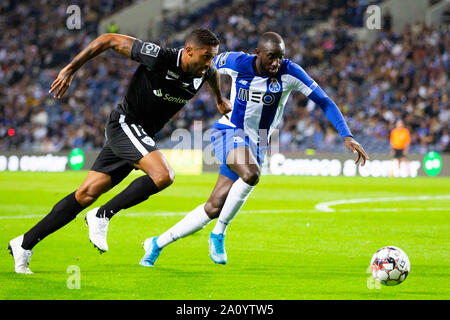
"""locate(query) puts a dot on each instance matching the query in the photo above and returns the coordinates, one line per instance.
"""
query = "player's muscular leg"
(218, 196)
(155, 165)
(159, 175)
(243, 162)
(93, 186)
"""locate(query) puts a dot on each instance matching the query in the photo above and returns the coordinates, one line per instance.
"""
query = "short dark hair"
(203, 37)
(270, 37)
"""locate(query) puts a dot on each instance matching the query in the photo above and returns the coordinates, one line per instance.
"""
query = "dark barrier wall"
(47, 162)
(187, 162)
(343, 164)
(276, 164)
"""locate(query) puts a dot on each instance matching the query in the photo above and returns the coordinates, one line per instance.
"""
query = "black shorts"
(126, 143)
(399, 153)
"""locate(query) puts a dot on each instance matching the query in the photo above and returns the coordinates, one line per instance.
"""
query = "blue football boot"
(217, 248)
(152, 252)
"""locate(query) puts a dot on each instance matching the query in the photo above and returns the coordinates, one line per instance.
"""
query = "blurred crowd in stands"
(397, 76)
(35, 45)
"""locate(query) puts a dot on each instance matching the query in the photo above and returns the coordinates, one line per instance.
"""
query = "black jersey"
(159, 87)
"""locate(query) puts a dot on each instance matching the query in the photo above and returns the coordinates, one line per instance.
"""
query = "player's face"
(201, 59)
(270, 56)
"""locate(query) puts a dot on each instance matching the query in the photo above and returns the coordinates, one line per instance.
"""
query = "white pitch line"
(131, 214)
(325, 206)
(167, 214)
(180, 213)
(28, 216)
(393, 209)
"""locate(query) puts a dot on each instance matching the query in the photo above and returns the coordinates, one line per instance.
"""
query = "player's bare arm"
(118, 42)
(356, 148)
(223, 104)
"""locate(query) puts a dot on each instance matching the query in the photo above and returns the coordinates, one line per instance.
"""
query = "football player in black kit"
(164, 81)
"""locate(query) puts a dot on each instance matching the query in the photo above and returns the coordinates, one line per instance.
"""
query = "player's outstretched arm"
(306, 85)
(223, 104)
(118, 42)
(335, 116)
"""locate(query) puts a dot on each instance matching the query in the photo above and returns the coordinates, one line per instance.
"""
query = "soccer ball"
(390, 266)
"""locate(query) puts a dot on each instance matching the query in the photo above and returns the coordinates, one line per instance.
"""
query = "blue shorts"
(225, 139)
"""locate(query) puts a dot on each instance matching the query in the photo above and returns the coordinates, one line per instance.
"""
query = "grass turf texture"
(279, 246)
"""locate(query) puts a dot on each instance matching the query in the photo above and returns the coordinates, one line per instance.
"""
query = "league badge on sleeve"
(274, 85)
(150, 49)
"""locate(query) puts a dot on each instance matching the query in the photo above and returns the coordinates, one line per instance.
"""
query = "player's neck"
(256, 66)
(183, 62)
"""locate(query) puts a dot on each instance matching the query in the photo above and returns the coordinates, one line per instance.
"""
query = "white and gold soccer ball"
(390, 266)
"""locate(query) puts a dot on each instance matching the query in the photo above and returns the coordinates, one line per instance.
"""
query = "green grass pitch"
(280, 246)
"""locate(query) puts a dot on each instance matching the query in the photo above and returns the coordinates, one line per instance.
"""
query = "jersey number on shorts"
(142, 135)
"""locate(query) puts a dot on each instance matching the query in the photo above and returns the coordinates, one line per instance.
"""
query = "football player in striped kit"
(261, 84)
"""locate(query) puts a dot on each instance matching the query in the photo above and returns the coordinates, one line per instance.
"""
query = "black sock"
(139, 190)
(62, 213)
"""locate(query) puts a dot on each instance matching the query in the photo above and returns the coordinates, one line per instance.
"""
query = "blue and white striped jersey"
(258, 100)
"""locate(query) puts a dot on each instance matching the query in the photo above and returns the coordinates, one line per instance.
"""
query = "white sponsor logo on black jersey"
(150, 49)
(158, 93)
(167, 97)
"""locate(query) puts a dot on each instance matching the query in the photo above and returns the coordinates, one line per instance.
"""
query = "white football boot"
(98, 229)
(21, 256)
